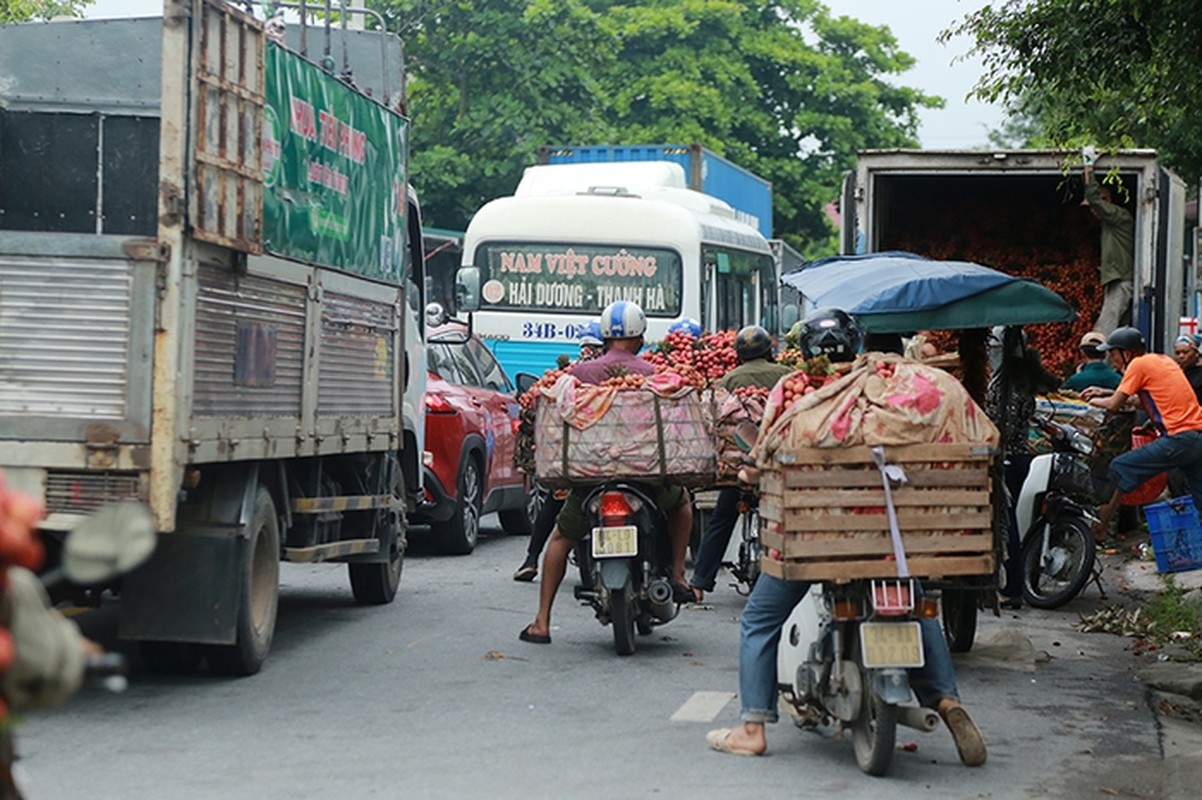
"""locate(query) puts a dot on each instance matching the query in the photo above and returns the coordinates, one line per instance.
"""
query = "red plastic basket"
(1151, 489)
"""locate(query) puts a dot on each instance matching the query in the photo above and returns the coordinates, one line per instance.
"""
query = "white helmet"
(623, 320)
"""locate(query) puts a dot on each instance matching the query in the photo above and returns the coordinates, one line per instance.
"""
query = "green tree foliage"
(22, 10)
(780, 88)
(1115, 73)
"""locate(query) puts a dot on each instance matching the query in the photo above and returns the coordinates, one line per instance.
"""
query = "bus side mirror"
(467, 289)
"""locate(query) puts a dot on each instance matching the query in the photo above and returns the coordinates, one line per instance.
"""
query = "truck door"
(1169, 301)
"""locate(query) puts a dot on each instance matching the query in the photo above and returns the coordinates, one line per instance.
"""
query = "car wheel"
(461, 532)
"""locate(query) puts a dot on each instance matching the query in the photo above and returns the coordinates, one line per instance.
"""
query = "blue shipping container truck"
(749, 195)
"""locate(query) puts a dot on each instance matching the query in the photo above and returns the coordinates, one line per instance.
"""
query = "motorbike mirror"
(110, 542)
(746, 433)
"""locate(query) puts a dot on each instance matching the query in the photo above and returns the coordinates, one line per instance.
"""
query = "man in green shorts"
(622, 327)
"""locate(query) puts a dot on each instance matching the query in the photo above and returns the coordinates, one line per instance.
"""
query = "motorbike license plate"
(891, 644)
(617, 542)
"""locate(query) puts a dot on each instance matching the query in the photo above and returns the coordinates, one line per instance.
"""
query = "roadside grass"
(1173, 620)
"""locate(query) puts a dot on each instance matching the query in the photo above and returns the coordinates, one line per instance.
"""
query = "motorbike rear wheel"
(1071, 553)
(622, 616)
(958, 607)
(874, 732)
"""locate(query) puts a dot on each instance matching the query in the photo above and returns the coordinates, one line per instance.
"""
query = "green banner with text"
(334, 168)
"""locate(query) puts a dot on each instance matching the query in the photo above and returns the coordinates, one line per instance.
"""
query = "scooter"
(843, 658)
(624, 562)
(1054, 517)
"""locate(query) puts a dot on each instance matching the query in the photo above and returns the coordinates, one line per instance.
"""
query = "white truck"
(211, 300)
(1020, 211)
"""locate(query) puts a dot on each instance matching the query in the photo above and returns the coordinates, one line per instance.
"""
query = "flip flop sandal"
(717, 741)
(533, 638)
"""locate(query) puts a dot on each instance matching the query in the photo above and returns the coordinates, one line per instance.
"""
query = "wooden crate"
(825, 512)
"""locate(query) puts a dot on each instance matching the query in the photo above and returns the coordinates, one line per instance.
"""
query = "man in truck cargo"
(834, 333)
(1117, 267)
(753, 346)
(1172, 408)
(622, 327)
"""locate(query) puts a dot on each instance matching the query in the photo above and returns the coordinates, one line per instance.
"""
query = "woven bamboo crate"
(825, 513)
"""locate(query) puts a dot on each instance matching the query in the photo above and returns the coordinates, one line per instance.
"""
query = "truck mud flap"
(190, 588)
(186, 591)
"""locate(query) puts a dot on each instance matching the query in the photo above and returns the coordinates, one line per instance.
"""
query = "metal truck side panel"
(257, 325)
(74, 341)
(358, 339)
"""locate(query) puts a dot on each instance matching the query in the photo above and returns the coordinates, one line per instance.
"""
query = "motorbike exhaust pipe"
(659, 596)
(920, 719)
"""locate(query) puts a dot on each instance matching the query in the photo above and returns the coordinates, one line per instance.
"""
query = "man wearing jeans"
(770, 604)
(1172, 408)
(833, 333)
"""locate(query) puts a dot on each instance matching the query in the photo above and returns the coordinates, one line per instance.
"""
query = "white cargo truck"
(1020, 211)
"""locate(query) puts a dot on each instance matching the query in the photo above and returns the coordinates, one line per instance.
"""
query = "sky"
(961, 124)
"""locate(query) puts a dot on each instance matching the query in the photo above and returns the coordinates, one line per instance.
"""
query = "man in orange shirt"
(1172, 408)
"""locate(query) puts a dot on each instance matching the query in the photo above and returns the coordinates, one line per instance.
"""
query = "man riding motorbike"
(756, 367)
(622, 327)
(831, 332)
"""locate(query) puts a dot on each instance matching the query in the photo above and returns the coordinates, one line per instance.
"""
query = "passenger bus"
(576, 237)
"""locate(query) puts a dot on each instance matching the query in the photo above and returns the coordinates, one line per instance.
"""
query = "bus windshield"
(576, 278)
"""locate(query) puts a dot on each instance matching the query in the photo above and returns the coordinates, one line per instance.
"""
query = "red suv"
(471, 428)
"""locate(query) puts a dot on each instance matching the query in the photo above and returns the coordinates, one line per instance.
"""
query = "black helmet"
(752, 342)
(831, 332)
(1127, 338)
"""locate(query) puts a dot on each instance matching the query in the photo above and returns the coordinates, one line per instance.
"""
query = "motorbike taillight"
(615, 508)
(892, 598)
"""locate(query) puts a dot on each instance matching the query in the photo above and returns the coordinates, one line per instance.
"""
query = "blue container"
(705, 171)
(1176, 534)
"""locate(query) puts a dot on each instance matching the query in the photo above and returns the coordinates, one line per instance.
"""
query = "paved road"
(434, 697)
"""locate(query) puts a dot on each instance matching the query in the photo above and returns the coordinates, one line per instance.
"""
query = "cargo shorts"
(573, 521)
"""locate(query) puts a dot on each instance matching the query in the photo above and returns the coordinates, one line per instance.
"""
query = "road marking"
(703, 707)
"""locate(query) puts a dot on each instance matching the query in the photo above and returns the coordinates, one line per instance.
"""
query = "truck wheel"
(462, 530)
(377, 584)
(260, 596)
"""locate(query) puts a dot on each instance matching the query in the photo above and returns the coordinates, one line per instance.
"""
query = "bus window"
(737, 273)
(769, 299)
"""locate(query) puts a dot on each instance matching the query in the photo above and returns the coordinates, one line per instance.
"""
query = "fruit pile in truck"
(1021, 212)
(212, 303)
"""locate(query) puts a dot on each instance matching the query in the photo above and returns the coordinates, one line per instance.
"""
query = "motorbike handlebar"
(110, 669)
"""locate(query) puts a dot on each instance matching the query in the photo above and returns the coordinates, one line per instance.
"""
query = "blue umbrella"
(894, 292)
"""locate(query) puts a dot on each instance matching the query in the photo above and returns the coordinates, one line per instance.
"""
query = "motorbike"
(742, 556)
(1054, 515)
(105, 545)
(843, 658)
(624, 560)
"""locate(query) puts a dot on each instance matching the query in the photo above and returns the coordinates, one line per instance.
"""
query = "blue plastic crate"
(1176, 534)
